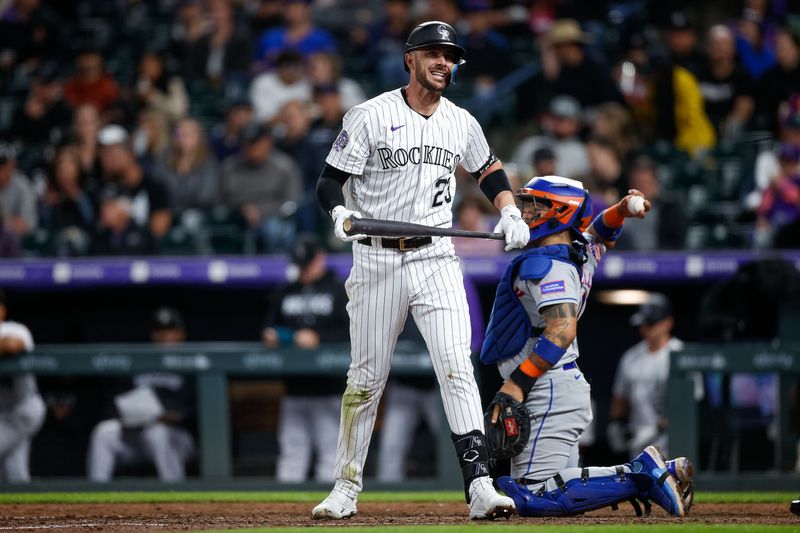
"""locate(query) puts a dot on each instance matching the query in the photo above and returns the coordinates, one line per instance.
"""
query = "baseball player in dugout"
(307, 312)
(543, 407)
(152, 419)
(637, 416)
(395, 159)
(22, 410)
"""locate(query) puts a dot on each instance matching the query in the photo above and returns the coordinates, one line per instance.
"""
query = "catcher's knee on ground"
(579, 493)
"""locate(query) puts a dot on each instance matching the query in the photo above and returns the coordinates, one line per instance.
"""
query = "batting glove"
(339, 214)
(513, 227)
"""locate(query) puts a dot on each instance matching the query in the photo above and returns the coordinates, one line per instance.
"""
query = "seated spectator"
(264, 15)
(226, 137)
(150, 141)
(45, 113)
(378, 46)
(189, 26)
(606, 177)
(85, 127)
(306, 313)
(117, 232)
(270, 91)
(150, 205)
(226, 50)
(22, 410)
(67, 207)
(298, 34)
(779, 213)
(17, 198)
(158, 91)
(756, 53)
(665, 99)
(681, 39)
(561, 126)
(767, 162)
(665, 226)
(91, 84)
(727, 89)
(324, 69)
(265, 185)
(614, 122)
(189, 170)
(780, 82)
(153, 419)
(29, 35)
(544, 162)
(10, 243)
(567, 69)
(470, 216)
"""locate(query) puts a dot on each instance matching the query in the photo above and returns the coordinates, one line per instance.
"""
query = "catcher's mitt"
(508, 436)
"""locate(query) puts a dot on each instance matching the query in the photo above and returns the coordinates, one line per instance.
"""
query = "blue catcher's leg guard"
(656, 483)
(581, 493)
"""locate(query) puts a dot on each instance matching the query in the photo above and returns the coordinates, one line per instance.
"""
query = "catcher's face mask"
(552, 204)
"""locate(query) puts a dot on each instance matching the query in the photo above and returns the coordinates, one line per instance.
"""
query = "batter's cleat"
(682, 470)
(335, 507)
(486, 504)
(795, 507)
(659, 485)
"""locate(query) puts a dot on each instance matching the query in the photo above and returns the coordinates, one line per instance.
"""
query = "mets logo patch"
(341, 141)
(552, 286)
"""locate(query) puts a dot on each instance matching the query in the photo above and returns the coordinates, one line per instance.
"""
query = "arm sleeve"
(560, 285)
(329, 187)
(477, 156)
(353, 146)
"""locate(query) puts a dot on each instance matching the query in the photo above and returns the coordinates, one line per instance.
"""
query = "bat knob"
(347, 224)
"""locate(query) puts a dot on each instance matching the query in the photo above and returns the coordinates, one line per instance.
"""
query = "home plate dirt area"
(197, 516)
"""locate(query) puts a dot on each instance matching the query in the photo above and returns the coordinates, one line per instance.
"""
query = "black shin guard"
(472, 456)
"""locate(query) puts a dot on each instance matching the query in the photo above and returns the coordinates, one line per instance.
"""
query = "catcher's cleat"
(486, 504)
(336, 506)
(795, 507)
(661, 487)
(682, 470)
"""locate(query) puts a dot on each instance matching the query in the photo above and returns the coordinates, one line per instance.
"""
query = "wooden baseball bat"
(392, 228)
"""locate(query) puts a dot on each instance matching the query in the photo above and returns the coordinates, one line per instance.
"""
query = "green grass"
(315, 497)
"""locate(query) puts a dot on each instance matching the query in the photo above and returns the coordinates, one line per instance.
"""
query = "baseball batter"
(532, 337)
(395, 159)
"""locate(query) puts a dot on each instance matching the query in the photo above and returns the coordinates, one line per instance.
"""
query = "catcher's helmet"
(435, 33)
(568, 204)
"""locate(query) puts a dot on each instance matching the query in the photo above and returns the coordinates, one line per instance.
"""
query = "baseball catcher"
(531, 337)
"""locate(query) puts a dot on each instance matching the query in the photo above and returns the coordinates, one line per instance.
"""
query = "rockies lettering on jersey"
(402, 164)
(434, 155)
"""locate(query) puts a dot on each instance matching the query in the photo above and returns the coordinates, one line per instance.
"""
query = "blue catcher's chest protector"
(509, 325)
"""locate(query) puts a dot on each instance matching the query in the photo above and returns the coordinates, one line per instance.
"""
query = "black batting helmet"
(434, 32)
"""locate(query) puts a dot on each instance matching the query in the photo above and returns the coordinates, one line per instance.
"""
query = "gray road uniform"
(642, 380)
(22, 413)
(559, 402)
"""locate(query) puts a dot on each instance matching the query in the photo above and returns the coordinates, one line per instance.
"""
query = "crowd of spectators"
(135, 127)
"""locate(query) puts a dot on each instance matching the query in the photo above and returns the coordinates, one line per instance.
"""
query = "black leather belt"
(403, 244)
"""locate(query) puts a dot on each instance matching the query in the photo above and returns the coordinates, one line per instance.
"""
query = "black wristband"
(495, 183)
(523, 381)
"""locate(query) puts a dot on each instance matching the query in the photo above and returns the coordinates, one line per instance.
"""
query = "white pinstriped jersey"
(402, 164)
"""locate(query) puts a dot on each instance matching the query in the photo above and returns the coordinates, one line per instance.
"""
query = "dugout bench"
(212, 364)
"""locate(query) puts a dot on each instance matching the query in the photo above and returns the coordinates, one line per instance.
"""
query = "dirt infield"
(197, 516)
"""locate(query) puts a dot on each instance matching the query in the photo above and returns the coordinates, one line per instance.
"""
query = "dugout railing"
(212, 364)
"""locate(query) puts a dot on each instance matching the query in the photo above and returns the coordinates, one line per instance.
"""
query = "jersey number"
(442, 195)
